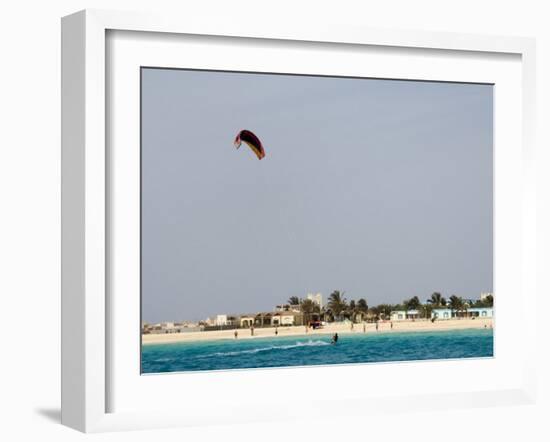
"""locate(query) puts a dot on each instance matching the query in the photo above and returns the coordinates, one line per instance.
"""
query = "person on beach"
(364, 328)
(251, 330)
(236, 334)
(391, 325)
(376, 325)
(351, 328)
(276, 331)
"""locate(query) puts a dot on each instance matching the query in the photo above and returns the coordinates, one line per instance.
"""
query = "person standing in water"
(335, 338)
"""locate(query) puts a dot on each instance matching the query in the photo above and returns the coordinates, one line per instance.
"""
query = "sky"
(379, 188)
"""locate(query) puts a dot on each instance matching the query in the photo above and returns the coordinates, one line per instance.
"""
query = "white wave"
(162, 360)
(309, 343)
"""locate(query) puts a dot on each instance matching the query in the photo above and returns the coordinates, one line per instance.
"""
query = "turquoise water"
(304, 350)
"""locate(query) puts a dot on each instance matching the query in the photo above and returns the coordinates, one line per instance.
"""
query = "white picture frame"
(88, 322)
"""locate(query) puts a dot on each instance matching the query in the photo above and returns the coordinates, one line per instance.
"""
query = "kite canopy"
(253, 142)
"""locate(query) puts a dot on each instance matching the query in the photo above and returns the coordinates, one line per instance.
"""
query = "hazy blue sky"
(380, 188)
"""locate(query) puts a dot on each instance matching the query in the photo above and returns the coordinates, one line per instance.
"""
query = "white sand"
(340, 327)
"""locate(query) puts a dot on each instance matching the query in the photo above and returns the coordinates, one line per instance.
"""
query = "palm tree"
(328, 315)
(457, 303)
(488, 301)
(436, 300)
(413, 303)
(337, 303)
(358, 309)
(308, 307)
(293, 300)
(351, 311)
(362, 307)
(426, 310)
(385, 310)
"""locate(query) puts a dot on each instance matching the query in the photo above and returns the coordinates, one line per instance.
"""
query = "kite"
(253, 142)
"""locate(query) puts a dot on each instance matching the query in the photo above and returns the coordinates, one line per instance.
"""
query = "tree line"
(338, 307)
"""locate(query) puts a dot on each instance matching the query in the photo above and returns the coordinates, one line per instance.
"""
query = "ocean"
(292, 351)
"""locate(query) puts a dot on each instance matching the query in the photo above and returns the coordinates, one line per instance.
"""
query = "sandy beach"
(339, 327)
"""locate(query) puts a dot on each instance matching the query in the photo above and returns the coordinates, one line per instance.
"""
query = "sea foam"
(310, 343)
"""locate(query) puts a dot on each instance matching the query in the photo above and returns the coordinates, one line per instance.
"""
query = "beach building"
(146, 328)
(276, 319)
(271, 319)
(220, 320)
(471, 312)
(263, 319)
(442, 313)
(402, 315)
(480, 312)
(186, 327)
(398, 315)
(282, 318)
(155, 329)
(246, 321)
(287, 318)
(317, 298)
(161, 328)
(266, 319)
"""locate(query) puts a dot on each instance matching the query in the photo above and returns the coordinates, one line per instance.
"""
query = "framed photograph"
(280, 206)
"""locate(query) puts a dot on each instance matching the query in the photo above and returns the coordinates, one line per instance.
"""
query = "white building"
(220, 320)
(401, 315)
(442, 313)
(246, 321)
(317, 298)
(163, 328)
(471, 312)
(480, 312)
(398, 315)
(287, 319)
